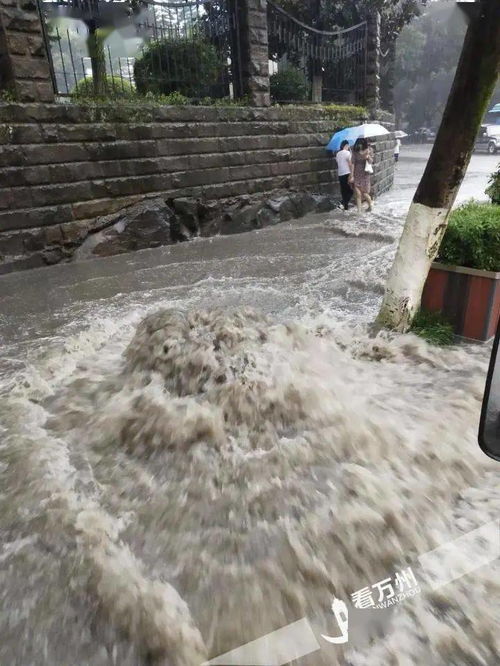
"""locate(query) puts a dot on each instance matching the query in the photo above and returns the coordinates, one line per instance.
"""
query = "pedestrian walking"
(396, 150)
(361, 170)
(344, 167)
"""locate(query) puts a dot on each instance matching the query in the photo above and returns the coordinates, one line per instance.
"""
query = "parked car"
(424, 135)
(488, 139)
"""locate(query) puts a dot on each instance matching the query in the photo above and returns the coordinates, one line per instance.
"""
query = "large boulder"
(153, 222)
(282, 206)
(240, 218)
(185, 224)
(144, 225)
(324, 202)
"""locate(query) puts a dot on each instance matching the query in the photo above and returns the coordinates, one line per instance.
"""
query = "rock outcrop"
(144, 225)
(157, 221)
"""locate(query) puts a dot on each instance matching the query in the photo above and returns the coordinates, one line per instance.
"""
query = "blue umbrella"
(352, 133)
(348, 134)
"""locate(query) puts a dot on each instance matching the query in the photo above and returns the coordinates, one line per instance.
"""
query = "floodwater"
(201, 444)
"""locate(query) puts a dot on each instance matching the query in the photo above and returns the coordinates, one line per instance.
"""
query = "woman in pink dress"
(362, 154)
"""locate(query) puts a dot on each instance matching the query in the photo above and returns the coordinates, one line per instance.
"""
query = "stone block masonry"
(24, 66)
(62, 167)
(255, 61)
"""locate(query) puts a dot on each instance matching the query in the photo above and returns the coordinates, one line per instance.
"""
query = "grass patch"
(433, 327)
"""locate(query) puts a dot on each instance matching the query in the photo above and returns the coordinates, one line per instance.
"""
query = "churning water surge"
(202, 444)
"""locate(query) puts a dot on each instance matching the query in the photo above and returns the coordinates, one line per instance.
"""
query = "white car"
(488, 139)
(489, 135)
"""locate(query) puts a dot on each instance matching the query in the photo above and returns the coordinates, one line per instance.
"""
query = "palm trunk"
(474, 82)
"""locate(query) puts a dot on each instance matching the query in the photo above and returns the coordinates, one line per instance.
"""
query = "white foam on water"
(229, 473)
(176, 488)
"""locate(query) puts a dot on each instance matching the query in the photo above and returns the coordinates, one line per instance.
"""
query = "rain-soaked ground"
(177, 488)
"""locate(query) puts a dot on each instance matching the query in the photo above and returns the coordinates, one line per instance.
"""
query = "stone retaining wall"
(63, 166)
(24, 67)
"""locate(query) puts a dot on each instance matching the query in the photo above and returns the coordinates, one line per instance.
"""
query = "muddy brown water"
(201, 444)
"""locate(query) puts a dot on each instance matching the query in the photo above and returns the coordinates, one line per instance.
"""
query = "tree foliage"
(427, 54)
(337, 14)
(332, 14)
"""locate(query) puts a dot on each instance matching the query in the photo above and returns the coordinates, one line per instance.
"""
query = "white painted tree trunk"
(475, 79)
(418, 246)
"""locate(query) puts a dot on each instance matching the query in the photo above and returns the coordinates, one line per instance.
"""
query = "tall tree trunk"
(475, 79)
(95, 46)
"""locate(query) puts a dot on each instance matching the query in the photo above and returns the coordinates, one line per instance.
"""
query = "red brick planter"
(467, 297)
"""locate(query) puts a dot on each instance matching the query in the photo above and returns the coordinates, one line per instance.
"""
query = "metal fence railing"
(192, 48)
(307, 63)
(162, 48)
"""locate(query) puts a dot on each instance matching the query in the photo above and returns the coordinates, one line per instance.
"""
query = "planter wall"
(467, 297)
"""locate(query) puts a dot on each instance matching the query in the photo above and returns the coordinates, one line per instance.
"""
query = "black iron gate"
(110, 49)
(192, 49)
(332, 65)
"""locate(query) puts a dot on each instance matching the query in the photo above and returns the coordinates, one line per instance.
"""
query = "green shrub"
(115, 88)
(493, 189)
(433, 327)
(289, 85)
(472, 238)
(189, 67)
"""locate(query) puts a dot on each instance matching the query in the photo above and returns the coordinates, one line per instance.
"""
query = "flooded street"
(177, 486)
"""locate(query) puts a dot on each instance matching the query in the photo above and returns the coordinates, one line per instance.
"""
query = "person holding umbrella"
(344, 167)
(362, 159)
(396, 149)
